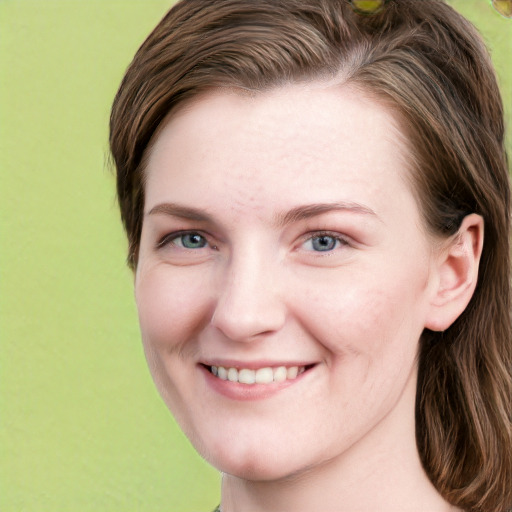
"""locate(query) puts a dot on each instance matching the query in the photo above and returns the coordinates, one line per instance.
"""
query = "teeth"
(260, 376)
(265, 376)
(292, 372)
(280, 374)
(247, 376)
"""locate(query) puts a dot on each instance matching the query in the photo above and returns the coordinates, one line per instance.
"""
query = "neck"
(381, 472)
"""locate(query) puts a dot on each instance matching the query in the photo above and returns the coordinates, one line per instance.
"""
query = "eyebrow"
(177, 210)
(282, 219)
(313, 210)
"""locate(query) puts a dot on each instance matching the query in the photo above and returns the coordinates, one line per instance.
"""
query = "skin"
(257, 291)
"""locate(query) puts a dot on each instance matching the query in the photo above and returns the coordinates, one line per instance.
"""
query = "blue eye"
(189, 241)
(322, 243)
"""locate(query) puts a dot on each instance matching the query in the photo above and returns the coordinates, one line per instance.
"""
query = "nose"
(249, 304)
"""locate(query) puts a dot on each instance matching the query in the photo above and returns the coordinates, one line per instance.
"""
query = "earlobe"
(457, 274)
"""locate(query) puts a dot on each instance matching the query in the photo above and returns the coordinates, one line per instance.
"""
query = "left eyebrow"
(313, 210)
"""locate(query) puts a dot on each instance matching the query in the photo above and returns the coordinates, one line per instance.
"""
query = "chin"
(255, 470)
(250, 461)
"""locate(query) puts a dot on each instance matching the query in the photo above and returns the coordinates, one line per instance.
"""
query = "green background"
(82, 427)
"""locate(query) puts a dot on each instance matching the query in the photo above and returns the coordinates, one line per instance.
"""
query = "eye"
(188, 240)
(323, 242)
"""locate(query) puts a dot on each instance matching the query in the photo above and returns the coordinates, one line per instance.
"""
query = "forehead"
(284, 145)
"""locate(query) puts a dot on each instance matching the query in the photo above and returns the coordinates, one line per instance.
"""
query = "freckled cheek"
(172, 308)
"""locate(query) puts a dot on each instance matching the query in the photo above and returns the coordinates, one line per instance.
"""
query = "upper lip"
(255, 365)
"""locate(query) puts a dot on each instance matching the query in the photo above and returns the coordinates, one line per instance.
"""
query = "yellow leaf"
(504, 7)
(367, 6)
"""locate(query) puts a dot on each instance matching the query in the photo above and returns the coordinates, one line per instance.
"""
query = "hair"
(431, 68)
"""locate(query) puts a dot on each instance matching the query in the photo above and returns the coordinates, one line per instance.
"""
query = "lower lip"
(248, 392)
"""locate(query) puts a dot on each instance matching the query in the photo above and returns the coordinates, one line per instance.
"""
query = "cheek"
(366, 314)
(172, 307)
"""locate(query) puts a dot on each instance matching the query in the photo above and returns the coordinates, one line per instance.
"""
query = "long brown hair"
(429, 65)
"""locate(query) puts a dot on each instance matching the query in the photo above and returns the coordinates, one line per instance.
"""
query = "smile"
(265, 375)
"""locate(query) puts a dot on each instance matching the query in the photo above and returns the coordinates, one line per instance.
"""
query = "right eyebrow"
(180, 211)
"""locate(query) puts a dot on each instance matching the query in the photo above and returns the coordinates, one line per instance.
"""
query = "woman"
(317, 206)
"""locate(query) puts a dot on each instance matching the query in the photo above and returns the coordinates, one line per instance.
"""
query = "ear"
(457, 274)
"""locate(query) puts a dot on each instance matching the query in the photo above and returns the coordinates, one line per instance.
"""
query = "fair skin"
(281, 239)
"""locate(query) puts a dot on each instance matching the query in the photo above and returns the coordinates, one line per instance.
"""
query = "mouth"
(265, 375)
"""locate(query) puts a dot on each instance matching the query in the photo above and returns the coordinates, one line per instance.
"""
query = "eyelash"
(309, 237)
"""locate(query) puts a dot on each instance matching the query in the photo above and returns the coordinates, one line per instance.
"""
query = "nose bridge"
(249, 302)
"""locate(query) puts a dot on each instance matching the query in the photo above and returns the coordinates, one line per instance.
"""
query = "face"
(284, 276)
